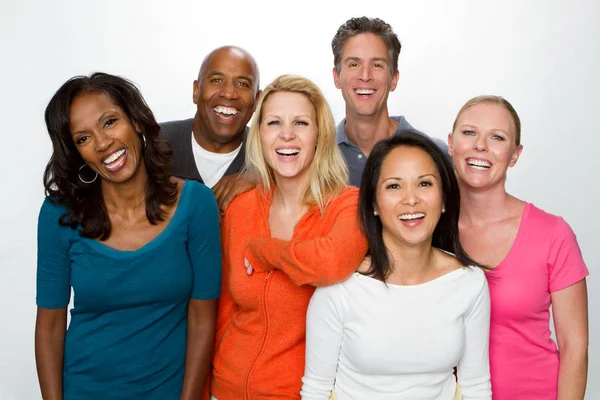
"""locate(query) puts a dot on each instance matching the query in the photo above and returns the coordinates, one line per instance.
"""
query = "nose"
(102, 141)
(287, 132)
(480, 143)
(229, 90)
(410, 198)
(365, 74)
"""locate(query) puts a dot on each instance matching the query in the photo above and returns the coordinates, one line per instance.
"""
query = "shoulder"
(333, 295)
(244, 202)
(403, 124)
(541, 221)
(475, 276)
(49, 219)
(195, 194)
(347, 197)
(51, 211)
(171, 129)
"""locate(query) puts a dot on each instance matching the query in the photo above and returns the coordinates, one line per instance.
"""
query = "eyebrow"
(476, 127)
(371, 59)
(419, 177)
(217, 73)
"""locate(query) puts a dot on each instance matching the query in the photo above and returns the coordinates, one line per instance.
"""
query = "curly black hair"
(84, 202)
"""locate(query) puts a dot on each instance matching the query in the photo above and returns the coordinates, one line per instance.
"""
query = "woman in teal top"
(139, 248)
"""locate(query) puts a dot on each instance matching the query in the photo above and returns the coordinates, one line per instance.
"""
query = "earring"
(144, 140)
(83, 180)
(375, 213)
(443, 210)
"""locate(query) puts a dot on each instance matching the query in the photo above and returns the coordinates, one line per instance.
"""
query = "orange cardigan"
(261, 324)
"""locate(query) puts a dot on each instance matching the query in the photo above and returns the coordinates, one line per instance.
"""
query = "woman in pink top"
(534, 257)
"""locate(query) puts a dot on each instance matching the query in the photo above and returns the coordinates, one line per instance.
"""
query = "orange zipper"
(264, 340)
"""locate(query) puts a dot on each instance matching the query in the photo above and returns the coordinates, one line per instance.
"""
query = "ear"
(336, 78)
(195, 98)
(450, 146)
(395, 78)
(258, 93)
(137, 127)
(515, 156)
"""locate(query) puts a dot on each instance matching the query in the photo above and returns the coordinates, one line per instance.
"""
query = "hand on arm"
(202, 315)
(319, 261)
(50, 329)
(570, 312)
(231, 186)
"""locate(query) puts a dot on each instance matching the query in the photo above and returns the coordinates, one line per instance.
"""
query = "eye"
(273, 122)
(392, 186)
(378, 65)
(498, 137)
(81, 140)
(353, 64)
(216, 80)
(425, 183)
(300, 122)
(109, 122)
(468, 133)
(243, 84)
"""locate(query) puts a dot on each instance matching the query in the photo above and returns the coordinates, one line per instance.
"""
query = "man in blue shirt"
(366, 54)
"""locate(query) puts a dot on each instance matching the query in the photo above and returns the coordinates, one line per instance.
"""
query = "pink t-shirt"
(544, 258)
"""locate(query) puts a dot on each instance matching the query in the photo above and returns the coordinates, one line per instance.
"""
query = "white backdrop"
(542, 55)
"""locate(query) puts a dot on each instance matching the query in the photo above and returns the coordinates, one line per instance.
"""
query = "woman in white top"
(397, 328)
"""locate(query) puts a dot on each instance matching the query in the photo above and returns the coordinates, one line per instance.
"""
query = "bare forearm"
(49, 355)
(572, 375)
(197, 361)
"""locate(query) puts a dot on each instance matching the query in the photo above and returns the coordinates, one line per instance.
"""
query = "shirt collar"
(340, 133)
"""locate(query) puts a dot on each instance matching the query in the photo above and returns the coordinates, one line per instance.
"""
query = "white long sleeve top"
(369, 340)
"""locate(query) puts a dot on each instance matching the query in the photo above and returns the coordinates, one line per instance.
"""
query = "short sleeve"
(565, 262)
(53, 262)
(204, 242)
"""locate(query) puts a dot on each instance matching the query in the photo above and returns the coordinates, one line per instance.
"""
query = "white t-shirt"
(212, 166)
(372, 341)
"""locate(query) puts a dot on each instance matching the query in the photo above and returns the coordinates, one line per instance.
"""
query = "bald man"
(210, 147)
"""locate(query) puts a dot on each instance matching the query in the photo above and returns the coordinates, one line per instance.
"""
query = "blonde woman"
(535, 260)
(296, 230)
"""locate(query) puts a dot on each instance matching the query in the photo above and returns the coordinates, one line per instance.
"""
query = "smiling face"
(365, 75)
(225, 93)
(409, 197)
(483, 145)
(288, 134)
(106, 139)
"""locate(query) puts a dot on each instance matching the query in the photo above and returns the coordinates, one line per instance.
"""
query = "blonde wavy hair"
(499, 101)
(328, 173)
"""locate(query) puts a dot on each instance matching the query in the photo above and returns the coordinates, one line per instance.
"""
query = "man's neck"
(365, 131)
(209, 141)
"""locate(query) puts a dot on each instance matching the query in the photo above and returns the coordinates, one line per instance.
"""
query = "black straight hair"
(445, 235)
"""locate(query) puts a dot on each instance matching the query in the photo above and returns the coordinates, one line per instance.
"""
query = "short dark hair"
(84, 202)
(445, 236)
(376, 26)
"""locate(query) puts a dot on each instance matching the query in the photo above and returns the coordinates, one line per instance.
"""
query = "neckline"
(178, 215)
(515, 243)
(454, 274)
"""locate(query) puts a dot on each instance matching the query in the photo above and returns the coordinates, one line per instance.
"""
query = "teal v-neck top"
(127, 335)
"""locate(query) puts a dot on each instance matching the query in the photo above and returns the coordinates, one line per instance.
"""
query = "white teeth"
(113, 157)
(408, 217)
(225, 110)
(479, 163)
(287, 152)
(364, 91)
